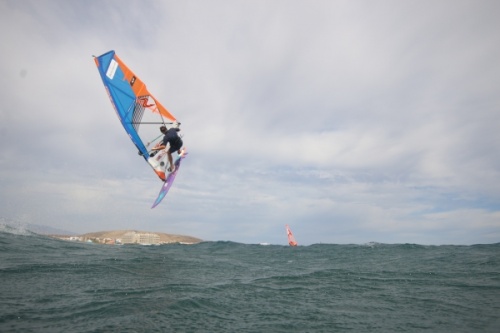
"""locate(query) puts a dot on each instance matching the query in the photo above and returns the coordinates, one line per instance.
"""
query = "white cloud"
(352, 122)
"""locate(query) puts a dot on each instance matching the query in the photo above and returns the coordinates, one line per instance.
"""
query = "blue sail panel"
(121, 95)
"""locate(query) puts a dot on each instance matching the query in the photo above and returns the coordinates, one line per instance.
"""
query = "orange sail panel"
(140, 90)
(291, 239)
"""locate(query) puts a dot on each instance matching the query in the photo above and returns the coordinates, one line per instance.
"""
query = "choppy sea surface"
(49, 285)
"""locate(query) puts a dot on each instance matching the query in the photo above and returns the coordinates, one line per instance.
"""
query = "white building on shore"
(133, 237)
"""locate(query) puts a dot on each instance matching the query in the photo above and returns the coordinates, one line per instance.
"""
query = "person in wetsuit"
(175, 142)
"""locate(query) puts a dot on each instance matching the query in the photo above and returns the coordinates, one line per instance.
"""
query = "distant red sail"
(291, 239)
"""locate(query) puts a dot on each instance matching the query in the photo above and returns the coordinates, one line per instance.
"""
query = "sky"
(351, 121)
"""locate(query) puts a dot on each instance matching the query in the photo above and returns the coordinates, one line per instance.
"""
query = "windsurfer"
(175, 142)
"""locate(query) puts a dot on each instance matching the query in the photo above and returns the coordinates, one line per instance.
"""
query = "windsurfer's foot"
(171, 169)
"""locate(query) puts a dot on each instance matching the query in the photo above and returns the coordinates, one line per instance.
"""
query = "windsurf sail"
(140, 113)
(291, 239)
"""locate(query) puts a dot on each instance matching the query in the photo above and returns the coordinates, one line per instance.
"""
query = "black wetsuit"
(173, 139)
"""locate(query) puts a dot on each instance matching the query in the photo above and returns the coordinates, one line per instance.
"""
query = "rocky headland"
(131, 236)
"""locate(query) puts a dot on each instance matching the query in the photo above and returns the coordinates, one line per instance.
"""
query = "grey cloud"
(347, 120)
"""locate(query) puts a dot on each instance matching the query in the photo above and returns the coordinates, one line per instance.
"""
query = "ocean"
(50, 285)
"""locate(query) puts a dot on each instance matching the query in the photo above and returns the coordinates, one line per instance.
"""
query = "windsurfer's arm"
(159, 147)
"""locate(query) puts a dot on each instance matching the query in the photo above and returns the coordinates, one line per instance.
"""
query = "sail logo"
(113, 65)
(143, 101)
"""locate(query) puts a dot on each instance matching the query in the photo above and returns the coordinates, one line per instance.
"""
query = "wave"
(13, 227)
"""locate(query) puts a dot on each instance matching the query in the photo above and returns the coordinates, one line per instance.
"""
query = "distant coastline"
(113, 237)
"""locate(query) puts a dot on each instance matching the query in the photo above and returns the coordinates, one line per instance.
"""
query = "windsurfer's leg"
(171, 167)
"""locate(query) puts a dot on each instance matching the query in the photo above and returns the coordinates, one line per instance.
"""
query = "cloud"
(350, 121)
